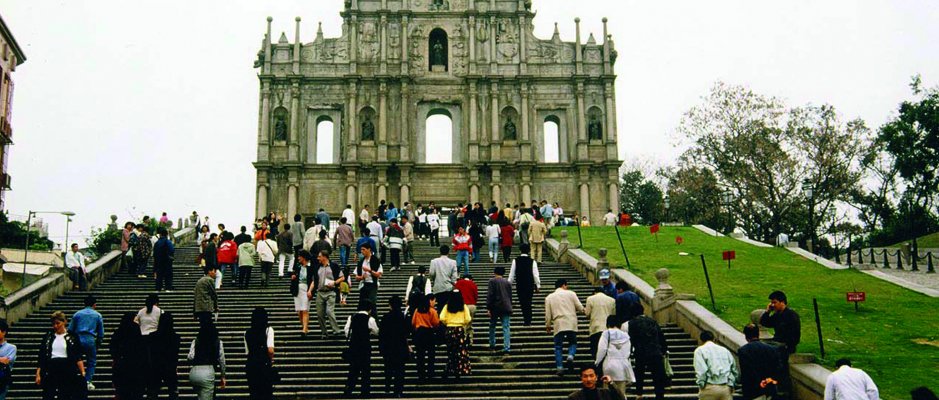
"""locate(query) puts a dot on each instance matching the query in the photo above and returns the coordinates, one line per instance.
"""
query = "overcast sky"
(133, 107)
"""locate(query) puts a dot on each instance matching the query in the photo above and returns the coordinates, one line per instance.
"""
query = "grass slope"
(894, 337)
(926, 241)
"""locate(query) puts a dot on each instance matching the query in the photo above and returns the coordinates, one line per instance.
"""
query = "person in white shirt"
(363, 218)
(149, 317)
(75, 261)
(492, 233)
(609, 219)
(375, 231)
(433, 222)
(849, 383)
(348, 214)
(267, 250)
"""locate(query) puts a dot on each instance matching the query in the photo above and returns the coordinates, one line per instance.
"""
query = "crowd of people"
(435, 312)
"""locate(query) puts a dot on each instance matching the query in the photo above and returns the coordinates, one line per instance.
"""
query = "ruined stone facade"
(397, 63)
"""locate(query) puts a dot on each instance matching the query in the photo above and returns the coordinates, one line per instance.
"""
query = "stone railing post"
(113, 224)
(602, 263)
(755, 320)
(663, 309)
(563, 246)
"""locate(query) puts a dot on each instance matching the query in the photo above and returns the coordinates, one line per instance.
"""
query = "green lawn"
(894, 337)
(926, 241)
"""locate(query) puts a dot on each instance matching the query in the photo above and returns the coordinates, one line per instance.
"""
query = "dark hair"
(422, 269)
(637, 309)
(297, 217)
(842, 361)
(323, 234)
(243, 229)
(588, 367)
(90, 300)
(207, 339)
(560, 282)
(422, 301)
(127, 326)
(455, 302)
(342, 220)
(444, 250)
(778, 295)
(324, 253)
(622, 285)
(393, 221)
(923, 393)
(706, 336)
(751, 332)
(259, 319)
(499, 270)
(221, 226)
(305, 254)
(613, 321)
(160, 231)
(286, 227)
(524, 248)
(166, 325)
(4, 326)
(212, 236)
(395, 303)
(152, 300)
(208, 268)
(364, 305)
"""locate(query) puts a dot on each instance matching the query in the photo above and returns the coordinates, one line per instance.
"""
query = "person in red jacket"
(470, 292)
(463, 245)
(227, 256)
(506, 239)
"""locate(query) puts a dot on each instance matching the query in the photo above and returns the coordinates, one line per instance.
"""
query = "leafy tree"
(694, 197)
(912, 139)
(641, 197)
(13, 235)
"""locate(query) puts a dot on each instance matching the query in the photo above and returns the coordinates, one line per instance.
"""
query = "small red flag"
(679, 239)
(654, 229)
(730, 255)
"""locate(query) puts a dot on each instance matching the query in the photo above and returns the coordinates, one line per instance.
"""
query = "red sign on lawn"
(679, 239)
(857, 296)
(730, 255)
(654, 229)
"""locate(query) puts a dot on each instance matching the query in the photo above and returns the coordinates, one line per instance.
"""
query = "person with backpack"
(418, 286)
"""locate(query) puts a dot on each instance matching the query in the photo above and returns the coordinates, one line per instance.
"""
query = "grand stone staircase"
(311, 367)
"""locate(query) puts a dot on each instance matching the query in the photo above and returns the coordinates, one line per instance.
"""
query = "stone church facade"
(399, 62)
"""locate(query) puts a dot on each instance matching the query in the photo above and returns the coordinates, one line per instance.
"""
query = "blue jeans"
(506, 335)
(494, 249)
(343, 256)
(91, 355)
(462, 256)
(475, 254)
(234, 270)
(559, 338)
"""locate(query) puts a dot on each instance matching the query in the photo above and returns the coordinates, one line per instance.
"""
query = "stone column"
(526, 135)
(296, 48)
(291, 199)
(607, 66)
(522, 34)
(404, 44)
(614, 196)
(474, 192)
(493, 66)
(262, 200)
(351, 198)
(472, 41)
(581, 124)
(267, 48)
(578, 50)
(353, 42)
(610, 131)
(352, 123)
(383, 45)
(264, 135)
(495, 148)
(497, 186)
(293, 149)
(404, 117)
(405, 180)
(473, 134)
(382, 192)
(382, 122)
(405, 194)
(526, 192)
(585, 200)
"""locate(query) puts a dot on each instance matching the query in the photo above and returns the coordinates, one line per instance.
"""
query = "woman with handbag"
(613, 356)
(393, 345)
(456, 317)
(259, 344)
(301, 284)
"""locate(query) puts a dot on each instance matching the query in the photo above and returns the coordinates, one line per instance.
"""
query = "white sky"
(130, 107)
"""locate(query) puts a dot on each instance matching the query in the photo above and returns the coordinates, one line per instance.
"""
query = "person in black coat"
(61, 376)
(163, 254)
(129, 359)
(259, 340)
(393, 346)
(359, 327)
(164, 359)
(758, 361)
(787, 329)
(649, 349)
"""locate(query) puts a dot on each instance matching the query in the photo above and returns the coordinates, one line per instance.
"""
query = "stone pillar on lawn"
(562, 247)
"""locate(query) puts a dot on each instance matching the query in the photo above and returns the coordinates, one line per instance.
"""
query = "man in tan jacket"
(599, 307)
(536, 234)
(560, 311)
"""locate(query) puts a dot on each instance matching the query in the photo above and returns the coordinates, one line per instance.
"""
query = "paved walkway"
(920, 281)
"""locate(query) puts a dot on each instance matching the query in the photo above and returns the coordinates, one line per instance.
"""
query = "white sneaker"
(91, 386)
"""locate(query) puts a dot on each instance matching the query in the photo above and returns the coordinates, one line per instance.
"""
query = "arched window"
(324, 140)
(595, 123)
(280, 124)
(552, 139)
(510, 121)
(367, 121)
(439, 142)
(438, 50)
